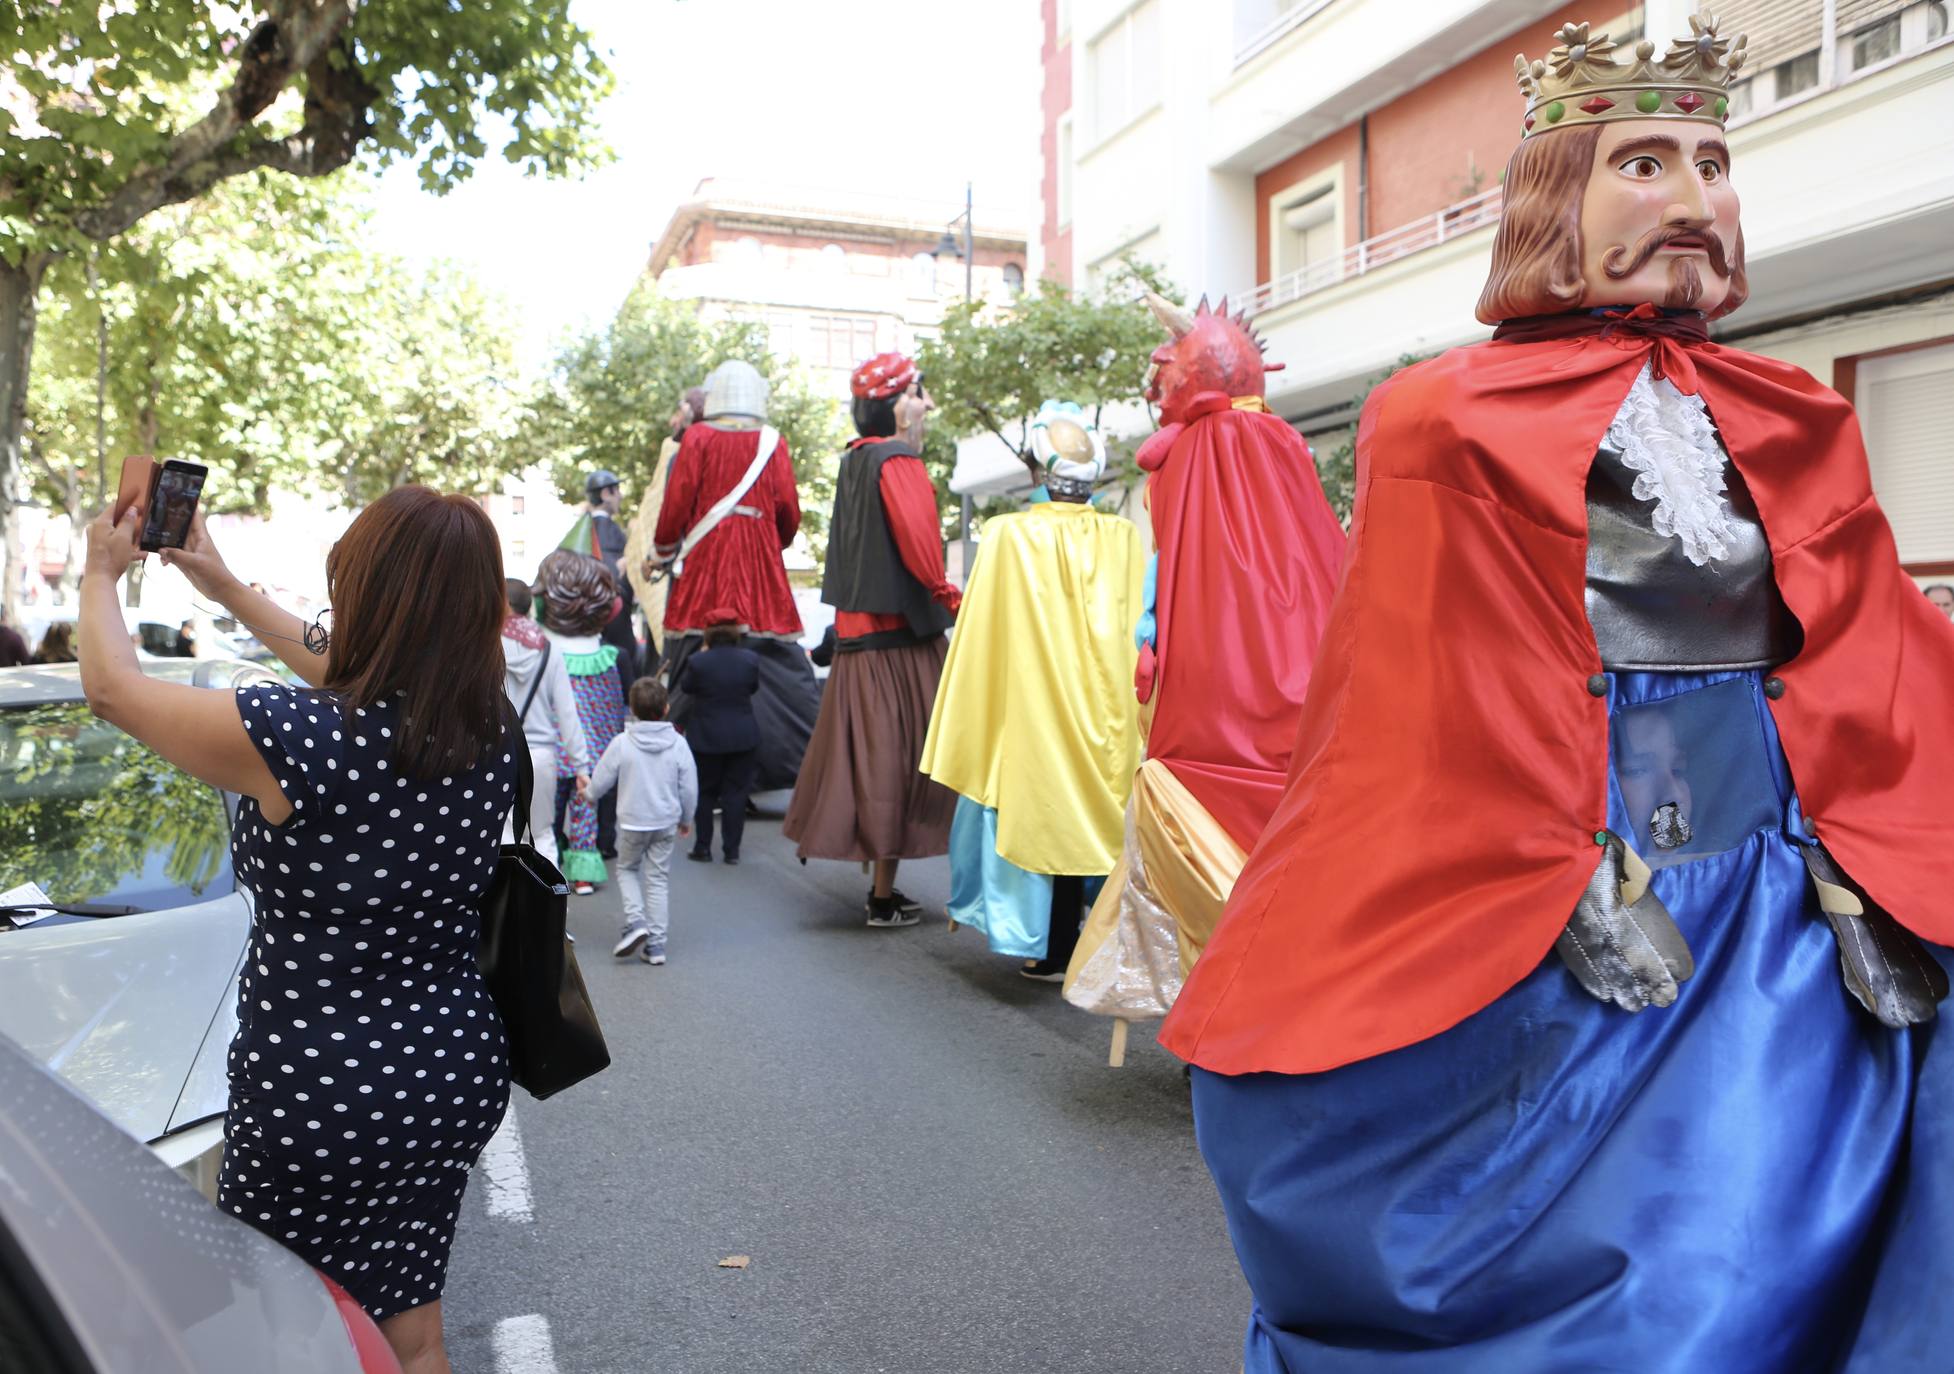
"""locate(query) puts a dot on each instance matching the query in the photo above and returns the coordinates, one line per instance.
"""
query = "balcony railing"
(1376, 251)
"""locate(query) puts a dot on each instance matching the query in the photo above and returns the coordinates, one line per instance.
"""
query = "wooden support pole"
(1117, 1058)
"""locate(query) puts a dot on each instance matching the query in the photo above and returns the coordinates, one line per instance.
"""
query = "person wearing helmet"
(603, 496)
(729, 509)
(861, 796)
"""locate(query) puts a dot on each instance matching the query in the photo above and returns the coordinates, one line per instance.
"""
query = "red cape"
(1451, 769)
(1249, 550)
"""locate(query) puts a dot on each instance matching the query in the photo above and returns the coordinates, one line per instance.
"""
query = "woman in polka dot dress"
(369, 1067)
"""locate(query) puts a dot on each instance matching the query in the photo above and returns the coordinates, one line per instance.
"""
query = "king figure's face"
(1659, 219)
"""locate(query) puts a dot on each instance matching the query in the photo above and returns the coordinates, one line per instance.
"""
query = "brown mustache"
(1654, 241)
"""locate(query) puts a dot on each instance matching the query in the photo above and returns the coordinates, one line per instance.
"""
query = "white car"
(129, 991)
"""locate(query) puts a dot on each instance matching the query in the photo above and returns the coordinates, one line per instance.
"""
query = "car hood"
(146, 1273)
(126, 1007)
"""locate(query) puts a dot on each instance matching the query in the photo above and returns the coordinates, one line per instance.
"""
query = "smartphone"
(172, 505)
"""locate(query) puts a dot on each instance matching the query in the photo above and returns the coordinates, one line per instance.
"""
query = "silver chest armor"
(1654, 610)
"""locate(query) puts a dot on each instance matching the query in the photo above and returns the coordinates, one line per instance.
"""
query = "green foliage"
(991, 368)
(610, 395)
(249, 331)
(1338, 466)
(110, 94)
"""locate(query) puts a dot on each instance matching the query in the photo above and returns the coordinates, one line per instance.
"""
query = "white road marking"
(507, 1174)
(522, 1346)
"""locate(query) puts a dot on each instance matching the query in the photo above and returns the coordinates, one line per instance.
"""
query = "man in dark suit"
(723, 734)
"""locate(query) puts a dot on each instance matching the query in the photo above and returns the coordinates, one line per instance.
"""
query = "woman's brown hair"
(417, 593)
(1536, 268)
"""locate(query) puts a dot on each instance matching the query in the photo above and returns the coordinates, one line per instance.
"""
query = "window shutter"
(1779, 29)
(1906, 407)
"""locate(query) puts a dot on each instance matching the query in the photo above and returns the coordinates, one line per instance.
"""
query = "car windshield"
(95, 818)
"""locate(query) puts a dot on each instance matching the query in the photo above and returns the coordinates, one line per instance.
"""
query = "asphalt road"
(924, 1155)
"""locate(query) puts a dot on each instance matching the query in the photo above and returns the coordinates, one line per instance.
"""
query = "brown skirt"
(860, 796)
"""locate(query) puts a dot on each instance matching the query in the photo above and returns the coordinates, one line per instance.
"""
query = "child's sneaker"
(652, 956)
(888, 912)
(631, 942)
(582, 888)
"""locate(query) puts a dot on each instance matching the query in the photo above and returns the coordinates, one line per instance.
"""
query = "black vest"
(865, 571)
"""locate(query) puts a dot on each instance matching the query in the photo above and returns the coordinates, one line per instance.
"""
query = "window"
(518, 505)
(839, 340)
(1906, 405)
(1014, 279)
(95, 817)
(922, 276)
(834, 258)
(1306, 231)
(1123, 67)
(1259, 21)
(1799, 74)
(1064, 172)
(1877, 43)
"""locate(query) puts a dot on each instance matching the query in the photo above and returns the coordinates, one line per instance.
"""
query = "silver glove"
(1621, 944)
(1884, 966)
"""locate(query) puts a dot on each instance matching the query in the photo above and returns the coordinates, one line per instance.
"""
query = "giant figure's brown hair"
(417, 594)
(1536, 267)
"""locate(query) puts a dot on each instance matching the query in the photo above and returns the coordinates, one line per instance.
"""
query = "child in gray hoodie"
(657, 791)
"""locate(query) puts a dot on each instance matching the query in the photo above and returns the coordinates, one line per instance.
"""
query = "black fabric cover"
(786, 706)
(865, 571)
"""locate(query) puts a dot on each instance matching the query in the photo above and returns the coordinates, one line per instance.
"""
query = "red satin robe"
(1451, 770)
(737, 565)
(1248, 560)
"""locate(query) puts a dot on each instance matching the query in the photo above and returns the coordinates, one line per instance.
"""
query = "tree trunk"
(20, 288)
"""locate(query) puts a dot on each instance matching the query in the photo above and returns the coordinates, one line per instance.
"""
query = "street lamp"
(950, 246)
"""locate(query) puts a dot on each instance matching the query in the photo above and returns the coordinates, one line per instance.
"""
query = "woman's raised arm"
(198, 730)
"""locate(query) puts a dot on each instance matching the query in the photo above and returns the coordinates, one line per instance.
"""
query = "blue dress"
(1750, 1181)
(369, 1067)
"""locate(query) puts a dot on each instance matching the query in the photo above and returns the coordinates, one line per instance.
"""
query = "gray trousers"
(644, 880)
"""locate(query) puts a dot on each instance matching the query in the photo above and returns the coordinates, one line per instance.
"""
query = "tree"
(112, 111)
(991, 368)
(249, 330)
(609, 394)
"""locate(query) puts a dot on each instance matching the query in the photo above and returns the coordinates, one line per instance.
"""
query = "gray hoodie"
(657, 783)
(552, 720)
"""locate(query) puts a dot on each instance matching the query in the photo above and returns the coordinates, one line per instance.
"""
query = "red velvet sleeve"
(786, 495)
(909, 502)
(681, 490)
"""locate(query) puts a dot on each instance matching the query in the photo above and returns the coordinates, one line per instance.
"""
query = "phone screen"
(173, 505)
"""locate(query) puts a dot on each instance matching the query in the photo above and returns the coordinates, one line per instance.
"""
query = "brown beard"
(1658, 238)
(1685, 285)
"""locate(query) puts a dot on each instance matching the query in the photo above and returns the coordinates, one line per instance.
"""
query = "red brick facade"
(1054, 103)
(1425, 145)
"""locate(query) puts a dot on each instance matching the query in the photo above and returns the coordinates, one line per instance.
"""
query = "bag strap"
(720, 509)
(520, 827)
(542, 667)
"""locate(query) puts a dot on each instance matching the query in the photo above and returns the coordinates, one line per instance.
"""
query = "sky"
(786, 91)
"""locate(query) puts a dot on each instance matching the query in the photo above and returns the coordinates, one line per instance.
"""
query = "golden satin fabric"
(638, 543)
(1035, 716)
(1157, 910)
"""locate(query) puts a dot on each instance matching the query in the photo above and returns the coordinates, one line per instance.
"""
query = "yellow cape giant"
(1036, 716)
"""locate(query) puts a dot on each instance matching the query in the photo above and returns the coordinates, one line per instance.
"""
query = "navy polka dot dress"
(369, 1067)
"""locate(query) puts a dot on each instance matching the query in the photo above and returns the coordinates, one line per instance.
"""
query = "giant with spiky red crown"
(1247, 560)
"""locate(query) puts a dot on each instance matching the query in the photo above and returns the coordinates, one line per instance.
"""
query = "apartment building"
(835, 277)
(1335, 166)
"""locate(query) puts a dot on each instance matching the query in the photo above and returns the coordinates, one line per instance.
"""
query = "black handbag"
(530, 966)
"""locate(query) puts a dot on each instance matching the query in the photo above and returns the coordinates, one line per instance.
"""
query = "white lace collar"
(1666, 439)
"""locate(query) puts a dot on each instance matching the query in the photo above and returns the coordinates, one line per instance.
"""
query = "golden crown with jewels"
(1580, 82)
